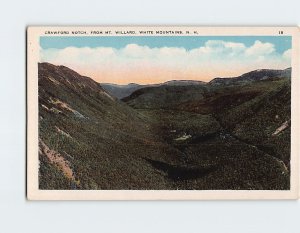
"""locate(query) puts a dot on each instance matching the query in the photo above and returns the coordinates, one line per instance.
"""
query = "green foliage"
(116, 146)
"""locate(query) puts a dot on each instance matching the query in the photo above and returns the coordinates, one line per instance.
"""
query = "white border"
(33, 193)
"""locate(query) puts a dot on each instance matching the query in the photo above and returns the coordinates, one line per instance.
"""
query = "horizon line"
(195, 80)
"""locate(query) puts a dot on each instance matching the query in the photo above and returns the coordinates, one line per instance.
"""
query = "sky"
(156, 59)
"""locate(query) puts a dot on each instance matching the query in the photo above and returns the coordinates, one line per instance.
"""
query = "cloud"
(260, 49)
(287, 54)
(142, 64)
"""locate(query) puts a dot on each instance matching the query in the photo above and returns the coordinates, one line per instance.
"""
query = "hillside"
(242, 131)
(256, 75)
(164, 96)
(89, 140)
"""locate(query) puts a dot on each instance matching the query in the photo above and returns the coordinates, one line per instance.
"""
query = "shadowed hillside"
(243, 130)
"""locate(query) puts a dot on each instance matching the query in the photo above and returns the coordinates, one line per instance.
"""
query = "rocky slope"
(101, 141)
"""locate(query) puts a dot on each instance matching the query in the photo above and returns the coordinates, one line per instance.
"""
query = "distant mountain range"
(122, 91)
(256, 75)
(183, 134)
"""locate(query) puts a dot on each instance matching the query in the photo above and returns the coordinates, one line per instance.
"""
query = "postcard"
(162, 113)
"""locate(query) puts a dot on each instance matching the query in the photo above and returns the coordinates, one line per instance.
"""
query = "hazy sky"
(141, 59)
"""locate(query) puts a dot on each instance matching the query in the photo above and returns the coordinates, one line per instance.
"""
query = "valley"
(228, 134)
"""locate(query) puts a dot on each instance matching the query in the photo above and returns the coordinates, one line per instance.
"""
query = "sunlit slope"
(100, 139)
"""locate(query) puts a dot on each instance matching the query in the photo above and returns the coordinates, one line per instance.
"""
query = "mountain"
(183, 83)
(164, 137)
(122, 91)
(164, 96)
(90, 140)
(241, 129)
(256, 75)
